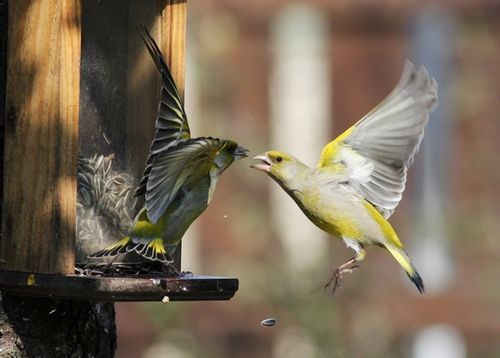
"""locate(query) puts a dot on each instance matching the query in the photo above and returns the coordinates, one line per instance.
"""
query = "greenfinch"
(180, 176)
(361, 175)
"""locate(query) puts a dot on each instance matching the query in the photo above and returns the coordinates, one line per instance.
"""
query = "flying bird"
(360, 176)
(180, 176)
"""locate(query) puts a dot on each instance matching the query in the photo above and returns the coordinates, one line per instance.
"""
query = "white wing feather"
(377, 151)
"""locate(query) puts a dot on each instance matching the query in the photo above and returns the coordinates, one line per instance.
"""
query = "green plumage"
(180, 176)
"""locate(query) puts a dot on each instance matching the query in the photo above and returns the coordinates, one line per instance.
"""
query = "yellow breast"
(329, 212)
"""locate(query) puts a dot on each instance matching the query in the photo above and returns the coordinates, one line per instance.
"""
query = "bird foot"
(335, 281)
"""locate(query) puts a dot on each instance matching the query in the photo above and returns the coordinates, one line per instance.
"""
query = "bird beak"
(241, 152)
(265, 165)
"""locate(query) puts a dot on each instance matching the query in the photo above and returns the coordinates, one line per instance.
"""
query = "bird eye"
(279, 159)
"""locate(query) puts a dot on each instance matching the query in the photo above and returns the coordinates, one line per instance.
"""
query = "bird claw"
(336, 278)
(350, 269)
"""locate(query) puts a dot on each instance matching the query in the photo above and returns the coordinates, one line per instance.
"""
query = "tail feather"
(152, 250)
(118, 247)
(404, 261)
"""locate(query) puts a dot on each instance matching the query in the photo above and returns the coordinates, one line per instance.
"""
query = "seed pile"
(142, 269)
(105, 204)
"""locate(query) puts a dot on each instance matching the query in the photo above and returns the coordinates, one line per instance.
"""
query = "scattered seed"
(99, 161)
(105, 201)
(269, 322)
(156, 281)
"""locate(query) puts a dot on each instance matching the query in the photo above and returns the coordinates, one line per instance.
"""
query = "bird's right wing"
(170, 170)
(376, 152)
(171, 122)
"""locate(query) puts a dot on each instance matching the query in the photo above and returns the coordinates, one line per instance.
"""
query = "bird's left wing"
(376, 152)
(171, 169)
(171, 122)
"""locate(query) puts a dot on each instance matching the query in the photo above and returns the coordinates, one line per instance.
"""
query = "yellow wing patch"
(331, 150)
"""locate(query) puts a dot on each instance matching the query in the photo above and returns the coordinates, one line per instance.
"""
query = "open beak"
(241, 152)
(265, 164)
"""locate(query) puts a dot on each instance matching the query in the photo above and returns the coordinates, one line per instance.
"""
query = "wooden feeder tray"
(45, 88)
(119, 288)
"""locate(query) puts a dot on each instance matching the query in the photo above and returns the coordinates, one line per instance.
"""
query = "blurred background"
(292, 75)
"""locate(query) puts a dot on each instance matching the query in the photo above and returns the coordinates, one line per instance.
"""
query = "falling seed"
(165, 299)
(225, 216)
(269, 322)
(106, 138)
(53, 311)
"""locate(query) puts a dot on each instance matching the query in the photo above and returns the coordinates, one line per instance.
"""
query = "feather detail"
(378, 149)
(171, 169)
(171, 122)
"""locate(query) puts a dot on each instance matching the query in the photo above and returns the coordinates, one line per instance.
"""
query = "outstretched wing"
(376, 152)
(170, 169)
(171, 122)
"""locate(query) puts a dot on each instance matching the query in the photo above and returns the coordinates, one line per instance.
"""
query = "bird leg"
(109, 265)
(170, 269)
(336, 277)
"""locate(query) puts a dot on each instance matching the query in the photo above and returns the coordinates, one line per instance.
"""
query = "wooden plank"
(173, 38)
(143, 81)
(143, 86)
(169, 31)
(41, 129)
(3, 80)
(173, 46)
(187, 288)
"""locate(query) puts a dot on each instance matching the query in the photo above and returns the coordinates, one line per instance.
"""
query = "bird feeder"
(78, 96)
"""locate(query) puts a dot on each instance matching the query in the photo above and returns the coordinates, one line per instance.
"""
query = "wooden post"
(39, 187)
(41, 129)
(169, 31)
(173, 39)
(173, 45)
(43, 93)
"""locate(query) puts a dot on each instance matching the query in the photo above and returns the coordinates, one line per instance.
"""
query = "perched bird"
(361, 175)
(180, 175)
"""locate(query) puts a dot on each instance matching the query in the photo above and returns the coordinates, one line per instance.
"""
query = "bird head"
(229, 152)
(282, 167)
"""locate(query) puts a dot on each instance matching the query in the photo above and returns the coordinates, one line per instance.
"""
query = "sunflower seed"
(269, 322)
